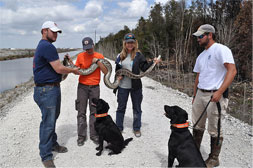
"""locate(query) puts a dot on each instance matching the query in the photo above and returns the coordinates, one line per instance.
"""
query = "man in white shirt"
(215, 70)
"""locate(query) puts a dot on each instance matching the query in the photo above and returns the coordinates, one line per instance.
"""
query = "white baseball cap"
(52, 26)
(206, 28)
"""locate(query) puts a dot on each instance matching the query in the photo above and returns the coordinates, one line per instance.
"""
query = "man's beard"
(50, 40)
(204, 44)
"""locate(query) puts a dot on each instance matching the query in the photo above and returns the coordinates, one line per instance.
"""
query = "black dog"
(181, 144)
(107, 130)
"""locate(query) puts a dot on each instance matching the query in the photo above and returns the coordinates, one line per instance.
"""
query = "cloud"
(135, 8)
(162, 1)
(22, 19)
(93, 9)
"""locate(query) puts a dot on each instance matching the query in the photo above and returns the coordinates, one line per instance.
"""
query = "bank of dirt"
(10, 54)
(10, 96)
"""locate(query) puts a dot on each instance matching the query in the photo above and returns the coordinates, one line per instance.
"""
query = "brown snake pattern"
(107, 64)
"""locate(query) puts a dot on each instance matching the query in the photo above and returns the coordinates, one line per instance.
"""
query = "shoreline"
(10, 96)
(25, 53)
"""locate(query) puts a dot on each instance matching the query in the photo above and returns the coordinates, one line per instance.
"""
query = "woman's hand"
(119, 77)
(157, 59)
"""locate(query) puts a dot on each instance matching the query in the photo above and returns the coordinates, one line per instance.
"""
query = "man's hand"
(94, 60)
(76, 71)
(69, 59)
(216, 96)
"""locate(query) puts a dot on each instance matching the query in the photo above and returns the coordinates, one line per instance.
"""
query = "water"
(15, 72)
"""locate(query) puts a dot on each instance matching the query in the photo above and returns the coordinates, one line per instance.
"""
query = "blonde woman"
(131, 59)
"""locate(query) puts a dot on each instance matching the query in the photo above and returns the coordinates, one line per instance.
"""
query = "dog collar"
(101, 115)
(184, 125)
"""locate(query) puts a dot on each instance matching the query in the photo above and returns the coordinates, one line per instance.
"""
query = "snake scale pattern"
(107, 64)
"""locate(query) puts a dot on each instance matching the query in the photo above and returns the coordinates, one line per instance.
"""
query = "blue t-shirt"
(42, 70)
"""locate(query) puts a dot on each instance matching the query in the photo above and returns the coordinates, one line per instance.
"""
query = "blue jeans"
(122, 97)
(48, 98)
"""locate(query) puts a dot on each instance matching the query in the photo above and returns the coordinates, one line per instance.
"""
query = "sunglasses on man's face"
(202, 36)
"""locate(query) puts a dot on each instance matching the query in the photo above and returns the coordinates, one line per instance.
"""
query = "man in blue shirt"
(48, 70)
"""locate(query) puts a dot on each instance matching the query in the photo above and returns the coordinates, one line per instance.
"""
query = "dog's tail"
(127, 141)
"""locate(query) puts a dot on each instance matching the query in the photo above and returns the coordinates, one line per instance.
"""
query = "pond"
(15, 72)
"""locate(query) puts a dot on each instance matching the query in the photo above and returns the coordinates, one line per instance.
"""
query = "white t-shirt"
(126, 82)
(210, 66)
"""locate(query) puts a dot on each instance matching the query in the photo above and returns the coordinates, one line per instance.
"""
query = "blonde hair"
(123, 53)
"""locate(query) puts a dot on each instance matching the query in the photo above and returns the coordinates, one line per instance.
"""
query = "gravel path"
(20, 132)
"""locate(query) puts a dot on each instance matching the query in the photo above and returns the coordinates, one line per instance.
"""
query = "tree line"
(168, 32)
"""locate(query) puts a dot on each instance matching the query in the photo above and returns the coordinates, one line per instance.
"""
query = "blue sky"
(21, 20)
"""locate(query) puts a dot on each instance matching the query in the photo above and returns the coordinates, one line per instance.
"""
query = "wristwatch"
(97, 61)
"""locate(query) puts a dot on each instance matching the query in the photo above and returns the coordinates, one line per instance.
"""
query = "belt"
(92, 86)
(89, 86)
(203, 90)
(47, 84)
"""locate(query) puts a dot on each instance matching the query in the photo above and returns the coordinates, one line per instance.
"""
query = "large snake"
(107, 64)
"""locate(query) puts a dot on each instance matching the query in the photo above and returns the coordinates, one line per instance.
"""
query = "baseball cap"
(206, 28)
(87, 43)
(51, 25)
(129, 37)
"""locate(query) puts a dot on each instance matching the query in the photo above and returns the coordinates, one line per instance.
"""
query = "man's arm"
(195, 86)
(101, 66)
(59, 68)
(230, 75)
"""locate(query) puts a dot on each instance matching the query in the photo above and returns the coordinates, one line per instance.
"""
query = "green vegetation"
(168, 32)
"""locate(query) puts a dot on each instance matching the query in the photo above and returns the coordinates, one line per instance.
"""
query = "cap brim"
(86, 47)
(198, 33)
(56, 29)
(130, 40)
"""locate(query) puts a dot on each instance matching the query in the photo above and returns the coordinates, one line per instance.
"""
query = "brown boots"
(48, 164)
(213, 159)
(197, 136)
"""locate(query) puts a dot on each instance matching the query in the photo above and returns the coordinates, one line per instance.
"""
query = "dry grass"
(240, 93)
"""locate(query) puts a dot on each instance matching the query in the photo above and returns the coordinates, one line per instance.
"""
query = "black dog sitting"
(107, 130)
(181, 144)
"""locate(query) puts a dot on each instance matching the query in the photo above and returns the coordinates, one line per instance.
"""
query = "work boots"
(197, 136)
(48, 164)
(213, 159)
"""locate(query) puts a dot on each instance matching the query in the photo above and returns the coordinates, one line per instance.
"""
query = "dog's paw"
(97, 148)
(99, 153)
(110, 153)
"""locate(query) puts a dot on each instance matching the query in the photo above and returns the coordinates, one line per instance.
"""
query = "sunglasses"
(129, 37)
(202, 36)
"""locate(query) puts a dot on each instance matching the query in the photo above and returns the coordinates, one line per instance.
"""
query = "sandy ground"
(20, 132)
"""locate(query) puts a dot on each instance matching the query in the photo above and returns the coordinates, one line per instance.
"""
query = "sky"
(21, 20)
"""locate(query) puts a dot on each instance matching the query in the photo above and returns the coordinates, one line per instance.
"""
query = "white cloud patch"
(93, 9)
(22, 19)
(135, 8)
(163, 2)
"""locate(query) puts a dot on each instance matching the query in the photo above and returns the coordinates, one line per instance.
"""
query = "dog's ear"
(104, 105)
(186, 115)
(183, 116)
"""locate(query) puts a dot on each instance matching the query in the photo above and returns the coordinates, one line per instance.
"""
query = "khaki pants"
(212, 114)
(86, 93)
